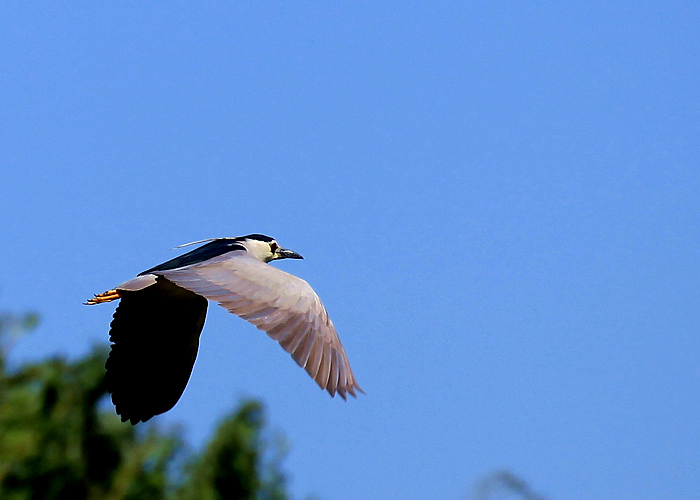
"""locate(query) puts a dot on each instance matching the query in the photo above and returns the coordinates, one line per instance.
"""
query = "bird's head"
(266, 248)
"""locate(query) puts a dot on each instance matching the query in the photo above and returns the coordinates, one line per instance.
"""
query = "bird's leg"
(108, 296)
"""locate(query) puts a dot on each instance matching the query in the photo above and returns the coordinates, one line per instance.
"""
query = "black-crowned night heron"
(156, 327)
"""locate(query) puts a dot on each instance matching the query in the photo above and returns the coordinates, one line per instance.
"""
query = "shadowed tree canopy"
(56, 442)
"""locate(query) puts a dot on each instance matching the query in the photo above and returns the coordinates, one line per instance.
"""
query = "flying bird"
(156, 327)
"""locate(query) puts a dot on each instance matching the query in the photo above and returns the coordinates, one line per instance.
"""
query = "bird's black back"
(212, 249)
(205, 252)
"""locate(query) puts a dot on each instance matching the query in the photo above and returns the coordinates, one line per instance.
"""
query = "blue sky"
(497, 202)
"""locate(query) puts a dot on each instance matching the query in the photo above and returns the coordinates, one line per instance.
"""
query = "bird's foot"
(108, 296)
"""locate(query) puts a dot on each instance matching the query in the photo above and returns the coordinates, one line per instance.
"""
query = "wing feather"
(282, 305)
(155, 338)
(333, 379)
(325, 368)
(261, 315)
(301, 353)
(314, 361)
(281, 328)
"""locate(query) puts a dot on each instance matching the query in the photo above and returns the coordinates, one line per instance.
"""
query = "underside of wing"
(155, 337)
(282, 305)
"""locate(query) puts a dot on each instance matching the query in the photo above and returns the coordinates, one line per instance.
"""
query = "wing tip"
(344, 391)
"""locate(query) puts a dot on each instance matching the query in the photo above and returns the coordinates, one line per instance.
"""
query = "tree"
(231, 465)
(56, 443)
(504, 484)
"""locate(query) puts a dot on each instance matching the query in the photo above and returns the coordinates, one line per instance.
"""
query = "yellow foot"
(108, 296)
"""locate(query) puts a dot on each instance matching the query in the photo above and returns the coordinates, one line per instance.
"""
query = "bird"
(157, 324)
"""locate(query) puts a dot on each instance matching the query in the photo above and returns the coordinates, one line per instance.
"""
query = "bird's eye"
(273, 247)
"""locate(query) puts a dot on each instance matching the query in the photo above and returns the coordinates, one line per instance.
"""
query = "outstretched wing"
(282, 305)
(155, 337)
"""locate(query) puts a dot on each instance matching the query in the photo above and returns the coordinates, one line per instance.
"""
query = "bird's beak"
(283, 253)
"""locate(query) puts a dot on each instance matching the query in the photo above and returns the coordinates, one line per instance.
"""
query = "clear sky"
(498, 202)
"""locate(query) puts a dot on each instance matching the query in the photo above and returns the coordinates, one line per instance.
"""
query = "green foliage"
(55, 443)
(232, 466)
